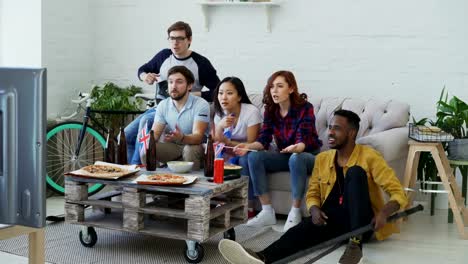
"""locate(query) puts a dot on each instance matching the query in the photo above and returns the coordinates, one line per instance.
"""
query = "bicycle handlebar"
(145, 96)
(83, 98)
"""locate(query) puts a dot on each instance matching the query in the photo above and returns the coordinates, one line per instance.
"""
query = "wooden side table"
(456, 201)
(462, 165)
(36, 240)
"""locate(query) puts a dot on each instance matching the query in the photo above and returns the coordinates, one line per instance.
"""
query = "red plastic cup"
(218, 176)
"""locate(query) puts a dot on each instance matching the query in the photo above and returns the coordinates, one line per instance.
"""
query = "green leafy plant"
(111, 97)
(452, 115)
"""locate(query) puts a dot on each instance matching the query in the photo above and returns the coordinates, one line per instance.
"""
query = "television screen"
(22, 146)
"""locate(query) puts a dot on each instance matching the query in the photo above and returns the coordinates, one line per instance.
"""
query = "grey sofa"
(383, 126)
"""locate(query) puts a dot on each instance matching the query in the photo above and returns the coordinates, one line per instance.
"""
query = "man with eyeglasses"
(155, 71)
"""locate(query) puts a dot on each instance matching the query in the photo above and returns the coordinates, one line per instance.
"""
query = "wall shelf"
(206, 5)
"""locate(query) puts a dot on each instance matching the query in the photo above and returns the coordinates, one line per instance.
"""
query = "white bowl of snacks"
(180, 166)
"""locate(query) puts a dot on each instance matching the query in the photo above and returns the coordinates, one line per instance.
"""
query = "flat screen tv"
(22, 146)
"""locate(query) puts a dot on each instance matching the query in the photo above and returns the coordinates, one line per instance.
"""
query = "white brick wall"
(20, 33)
(407, 50)
(68, 41)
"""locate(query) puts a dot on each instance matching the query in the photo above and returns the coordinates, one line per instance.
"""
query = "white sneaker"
(236, 254)
(293, 220)
(264, 218)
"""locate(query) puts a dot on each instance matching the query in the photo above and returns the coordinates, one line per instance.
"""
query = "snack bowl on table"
(180, 166)
(232, 169)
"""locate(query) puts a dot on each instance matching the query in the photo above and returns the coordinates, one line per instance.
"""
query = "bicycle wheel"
(61, 144)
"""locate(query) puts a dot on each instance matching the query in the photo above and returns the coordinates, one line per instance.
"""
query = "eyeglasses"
(176, 39)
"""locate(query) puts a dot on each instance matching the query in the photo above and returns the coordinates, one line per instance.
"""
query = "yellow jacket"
(379, 174)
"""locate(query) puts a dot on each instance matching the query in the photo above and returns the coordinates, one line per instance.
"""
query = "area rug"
(63, 246)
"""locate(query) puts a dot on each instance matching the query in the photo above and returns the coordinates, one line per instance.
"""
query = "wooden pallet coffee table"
(193, 213)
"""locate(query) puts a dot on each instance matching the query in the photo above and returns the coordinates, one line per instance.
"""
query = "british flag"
(143, 141)
(219, 146)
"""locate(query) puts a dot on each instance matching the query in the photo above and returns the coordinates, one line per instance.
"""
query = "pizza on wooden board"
(164, 179)
(103, 171)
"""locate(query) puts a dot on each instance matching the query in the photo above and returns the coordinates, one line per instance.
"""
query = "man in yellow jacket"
(345, 193)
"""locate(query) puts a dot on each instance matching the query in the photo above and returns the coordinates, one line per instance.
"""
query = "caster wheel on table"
(91, 239)
(194, 256)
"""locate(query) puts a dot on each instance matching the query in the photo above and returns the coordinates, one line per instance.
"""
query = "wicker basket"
(428, 134)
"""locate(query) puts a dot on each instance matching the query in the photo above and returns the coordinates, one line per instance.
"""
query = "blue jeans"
(243, 161)
(131, 134)
(300, 166)
(356, 212)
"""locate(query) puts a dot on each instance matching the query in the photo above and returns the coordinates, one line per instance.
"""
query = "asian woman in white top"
(235, 111)
(236, 121)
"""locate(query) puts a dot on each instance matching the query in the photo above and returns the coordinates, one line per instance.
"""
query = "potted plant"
(111, 102)
(452, 117)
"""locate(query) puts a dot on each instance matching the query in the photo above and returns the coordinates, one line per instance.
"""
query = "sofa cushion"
(279, 181)
(376, 116)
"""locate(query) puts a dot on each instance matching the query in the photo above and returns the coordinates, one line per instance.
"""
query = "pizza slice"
(103, 171)
(164, 179)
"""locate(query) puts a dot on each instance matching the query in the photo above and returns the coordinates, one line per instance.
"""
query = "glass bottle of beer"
(151, 160)
(209, 158)
(109, 151)
(122, 148)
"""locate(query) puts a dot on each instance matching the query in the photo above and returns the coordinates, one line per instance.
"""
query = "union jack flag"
(143, 142)
(219, 150)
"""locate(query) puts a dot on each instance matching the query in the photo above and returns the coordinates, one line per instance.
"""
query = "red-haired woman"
(290, 119)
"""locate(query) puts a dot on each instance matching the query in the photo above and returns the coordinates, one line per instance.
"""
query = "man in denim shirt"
(182, 120)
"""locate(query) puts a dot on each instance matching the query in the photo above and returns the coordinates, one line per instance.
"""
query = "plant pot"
(458, 149)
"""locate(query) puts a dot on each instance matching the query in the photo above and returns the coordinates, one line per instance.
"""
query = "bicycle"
(72, 145)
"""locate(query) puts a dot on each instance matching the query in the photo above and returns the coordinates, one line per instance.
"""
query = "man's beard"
(339, 146)
(178, 98)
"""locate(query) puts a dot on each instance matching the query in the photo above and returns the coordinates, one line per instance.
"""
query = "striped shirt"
(297, 126)
(203, 71)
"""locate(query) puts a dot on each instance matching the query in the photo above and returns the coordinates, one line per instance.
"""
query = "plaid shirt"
(297, 126)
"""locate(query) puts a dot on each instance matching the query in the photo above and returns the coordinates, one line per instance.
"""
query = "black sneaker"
(236, 254)
(352, 254)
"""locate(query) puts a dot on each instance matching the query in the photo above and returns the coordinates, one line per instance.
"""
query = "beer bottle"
(122, 148)
(151, 161)
(209, 158)
(109, 151)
